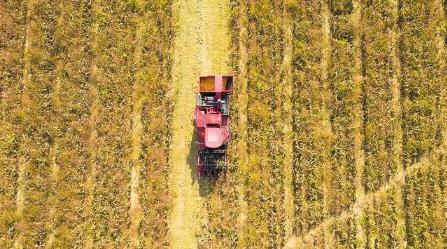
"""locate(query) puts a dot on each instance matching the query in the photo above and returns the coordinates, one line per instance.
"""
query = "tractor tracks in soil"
(288, 129)
(200, 48)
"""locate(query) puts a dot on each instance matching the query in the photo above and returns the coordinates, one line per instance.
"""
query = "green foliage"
(324, 158)
(37, 123)
(68, 196)
(421, 78)
(344, 98)
(378, 69)
(341, 7)
(312, 142)
(381, 221)
(264, 182)
(113, 81)
(424, 206)
(342, 28)
(343, 233)
(154, 70)
(70, 115)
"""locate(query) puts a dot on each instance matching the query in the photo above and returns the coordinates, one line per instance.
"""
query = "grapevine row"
(37, 113)
(264, 181)
(155, 73)
(69, 153)
(311, 139)
(12, 35)
(422, 78)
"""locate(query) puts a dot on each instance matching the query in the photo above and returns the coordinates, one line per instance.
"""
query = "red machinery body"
(212, 122)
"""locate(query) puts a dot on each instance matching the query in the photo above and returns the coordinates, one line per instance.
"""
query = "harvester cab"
(212, 122)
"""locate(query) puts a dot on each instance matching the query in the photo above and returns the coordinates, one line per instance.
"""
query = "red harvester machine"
(212, 123)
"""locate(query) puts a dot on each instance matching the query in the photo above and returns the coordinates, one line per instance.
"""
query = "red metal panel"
(218, 87)
(214, 137)
(214, 118)
(200, 118)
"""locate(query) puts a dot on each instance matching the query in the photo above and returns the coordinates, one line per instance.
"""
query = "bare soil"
(201, 48)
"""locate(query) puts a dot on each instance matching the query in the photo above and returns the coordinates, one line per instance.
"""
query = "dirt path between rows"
(200, 48)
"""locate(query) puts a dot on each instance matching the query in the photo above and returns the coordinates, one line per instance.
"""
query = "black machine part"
(213, 160)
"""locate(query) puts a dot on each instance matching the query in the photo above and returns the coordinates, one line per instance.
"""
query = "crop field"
(338, 123)
(78, 153)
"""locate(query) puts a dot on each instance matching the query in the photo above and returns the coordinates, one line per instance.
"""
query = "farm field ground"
(339, 124)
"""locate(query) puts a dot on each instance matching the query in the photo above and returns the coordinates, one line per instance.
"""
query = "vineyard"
(80, 147)
(339, 124)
